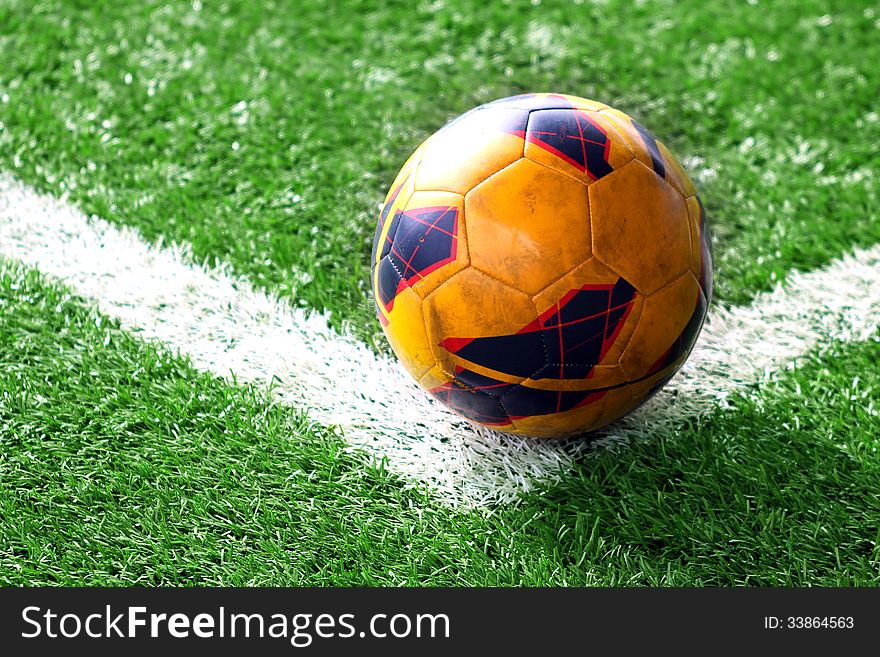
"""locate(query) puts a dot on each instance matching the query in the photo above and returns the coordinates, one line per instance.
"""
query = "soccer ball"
(542, 265)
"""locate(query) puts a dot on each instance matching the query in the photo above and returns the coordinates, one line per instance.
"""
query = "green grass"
(136, 108)
(266, 137)
(123, 465)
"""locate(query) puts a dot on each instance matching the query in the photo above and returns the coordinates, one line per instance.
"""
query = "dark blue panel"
(572, 136)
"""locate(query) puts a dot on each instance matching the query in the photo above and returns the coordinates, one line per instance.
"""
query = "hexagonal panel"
(640, 227)
(581, 144)
(527, 225)
(472, 306)
(477, 404)
(471, 149)
(578, 329)
(434, 239)
(666, 316)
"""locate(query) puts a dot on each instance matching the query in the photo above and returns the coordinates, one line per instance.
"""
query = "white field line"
(227, 327)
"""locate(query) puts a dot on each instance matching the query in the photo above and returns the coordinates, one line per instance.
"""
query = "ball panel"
(473, 305)
(406, 333)
(584, 103)
(547, 101)
(514, 215)
(579, 328)
(666, 317)
(681, 348)
(475, 397)
(701, 245)
(397, 197)
(693, 207)
(618, 402)
(640, 141)
(419, 247)
(675, 173)
(600, 378)
(596, 274)
(577, 143)
(578, 415)
(432, 243)
(471, 149)
(405, 175)
(641, 234)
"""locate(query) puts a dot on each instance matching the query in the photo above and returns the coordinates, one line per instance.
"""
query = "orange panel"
(474, 305)
(561, 425)
(406, 334)
(618, 402)
(623, 123)
(701, 246)
(640, 227)
(471, 149)
(675, 173)
(528, 225)
(664, 316)
(694, 225)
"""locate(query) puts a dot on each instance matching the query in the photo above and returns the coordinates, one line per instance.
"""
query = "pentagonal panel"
(423, 244)
(528, 225)
(640, 227)
(405, 329)
(471, 149)
(468, 318)
(670, 322)
(577, 143)
(649, 150)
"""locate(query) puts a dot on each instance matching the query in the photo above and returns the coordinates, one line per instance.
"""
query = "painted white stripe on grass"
(227, 327)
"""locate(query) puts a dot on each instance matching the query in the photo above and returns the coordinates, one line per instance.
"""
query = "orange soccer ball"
(542, 265)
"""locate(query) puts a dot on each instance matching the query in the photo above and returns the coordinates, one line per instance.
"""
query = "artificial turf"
(266, 137)
(123, 465)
